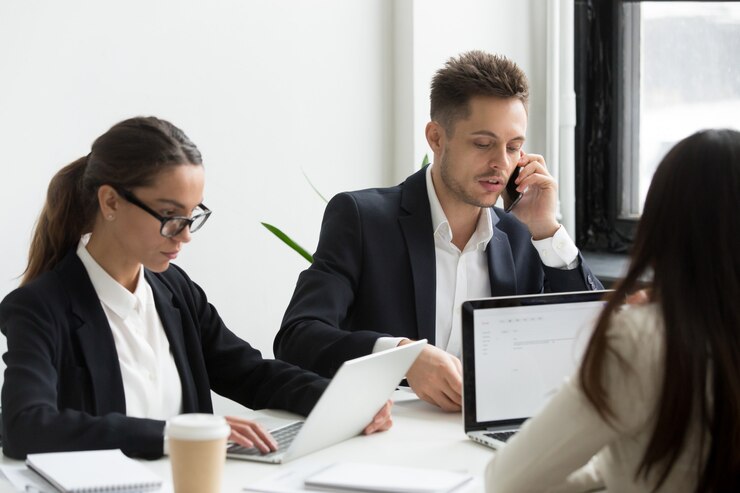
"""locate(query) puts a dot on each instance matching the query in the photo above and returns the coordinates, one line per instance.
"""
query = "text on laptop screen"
(523, 354)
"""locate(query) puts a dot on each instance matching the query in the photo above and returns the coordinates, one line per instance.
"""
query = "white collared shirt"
(151, 383)
(463, 275)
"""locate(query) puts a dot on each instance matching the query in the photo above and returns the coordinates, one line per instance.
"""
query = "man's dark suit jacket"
(374, 275)
(63, 388)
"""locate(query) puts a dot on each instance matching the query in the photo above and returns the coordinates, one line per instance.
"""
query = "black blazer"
(374, 275)
(63, 388)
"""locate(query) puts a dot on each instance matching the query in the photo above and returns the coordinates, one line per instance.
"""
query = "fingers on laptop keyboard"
(248, 433)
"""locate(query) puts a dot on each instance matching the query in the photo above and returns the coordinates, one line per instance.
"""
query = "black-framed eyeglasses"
(170, 225)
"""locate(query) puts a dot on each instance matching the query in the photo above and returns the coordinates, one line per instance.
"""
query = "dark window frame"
(600, 146)
(597, 69)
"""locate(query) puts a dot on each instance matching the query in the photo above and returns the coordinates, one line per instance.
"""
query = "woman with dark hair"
(106, 339)
(657, 398)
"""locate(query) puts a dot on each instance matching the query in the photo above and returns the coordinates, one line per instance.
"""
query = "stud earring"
(110, 217)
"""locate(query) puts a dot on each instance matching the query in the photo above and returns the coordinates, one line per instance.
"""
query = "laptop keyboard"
(501, 436)
(283, 436)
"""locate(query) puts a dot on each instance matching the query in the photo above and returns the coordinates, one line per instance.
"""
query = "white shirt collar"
(483, 230)
(111, 292)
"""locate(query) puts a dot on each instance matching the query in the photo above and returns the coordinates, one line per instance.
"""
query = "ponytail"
(63, 220)
(129, 155)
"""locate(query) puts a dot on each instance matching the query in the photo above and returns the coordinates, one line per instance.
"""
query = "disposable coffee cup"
(197, 448)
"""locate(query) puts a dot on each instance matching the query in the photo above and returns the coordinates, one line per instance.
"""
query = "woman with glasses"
(657, 400)
(107, 339)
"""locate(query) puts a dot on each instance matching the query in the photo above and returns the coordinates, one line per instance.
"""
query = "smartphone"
(514, 195)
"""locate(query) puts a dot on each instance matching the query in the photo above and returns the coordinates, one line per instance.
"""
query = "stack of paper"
(383, 479)
(355, 477)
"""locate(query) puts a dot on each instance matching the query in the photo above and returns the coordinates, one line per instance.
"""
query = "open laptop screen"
(522, 349)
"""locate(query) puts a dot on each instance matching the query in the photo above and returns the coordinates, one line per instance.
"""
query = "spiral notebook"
(93, 471)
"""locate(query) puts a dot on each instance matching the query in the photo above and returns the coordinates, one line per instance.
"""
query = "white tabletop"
(421, 436)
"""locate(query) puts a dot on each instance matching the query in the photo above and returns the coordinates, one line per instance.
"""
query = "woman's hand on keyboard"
(382, 421)
(248, 433)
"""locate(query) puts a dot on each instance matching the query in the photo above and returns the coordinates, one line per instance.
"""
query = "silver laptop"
(517, 351)
(356, 393)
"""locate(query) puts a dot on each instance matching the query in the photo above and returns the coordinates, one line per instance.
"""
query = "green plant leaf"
(314, 188)
(425, 161)
(288, 241)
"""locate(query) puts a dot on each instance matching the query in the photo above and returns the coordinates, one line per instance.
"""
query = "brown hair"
(129, 155)
(474, 73)
(689, 238)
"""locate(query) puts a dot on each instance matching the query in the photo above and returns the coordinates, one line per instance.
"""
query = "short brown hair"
(474, 73)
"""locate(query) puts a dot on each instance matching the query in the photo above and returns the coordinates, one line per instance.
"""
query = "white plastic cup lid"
(197, 427)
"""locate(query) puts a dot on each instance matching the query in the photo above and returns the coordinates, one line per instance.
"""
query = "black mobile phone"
(513, 194)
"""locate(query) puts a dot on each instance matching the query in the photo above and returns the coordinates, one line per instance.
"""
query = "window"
(648, 73)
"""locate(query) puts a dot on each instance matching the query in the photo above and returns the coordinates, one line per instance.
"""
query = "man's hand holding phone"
(536, 204)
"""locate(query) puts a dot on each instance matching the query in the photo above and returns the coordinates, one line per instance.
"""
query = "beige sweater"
(569, 447)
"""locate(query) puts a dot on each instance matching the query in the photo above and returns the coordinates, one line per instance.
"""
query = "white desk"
(422, 436)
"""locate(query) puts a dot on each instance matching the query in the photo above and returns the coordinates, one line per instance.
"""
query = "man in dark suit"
(395, 264)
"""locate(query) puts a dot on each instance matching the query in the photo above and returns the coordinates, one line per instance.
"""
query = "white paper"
(24, 479)
(349, 476)
(288, 480)
(396, 478)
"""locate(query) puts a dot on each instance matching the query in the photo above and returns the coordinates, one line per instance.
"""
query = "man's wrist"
(558, 251)
(547, 230)
(383, 343)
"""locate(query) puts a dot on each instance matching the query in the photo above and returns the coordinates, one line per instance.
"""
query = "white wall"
(440, 29)
(264, 88)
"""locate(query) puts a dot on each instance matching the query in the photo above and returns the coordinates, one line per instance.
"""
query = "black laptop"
(516, 352)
